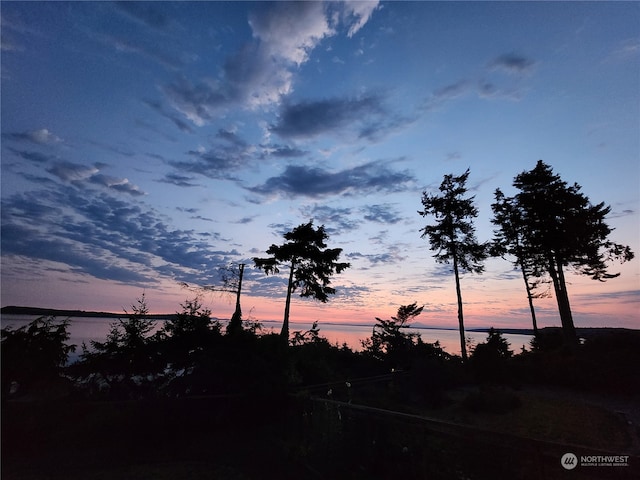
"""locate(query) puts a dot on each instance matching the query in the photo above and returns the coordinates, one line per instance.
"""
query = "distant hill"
(13, 310)
(584, 332)
(512, 331)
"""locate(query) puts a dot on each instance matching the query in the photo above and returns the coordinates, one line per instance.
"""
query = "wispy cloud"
(177, 121)
(36, 157)
(282, 151)
(489, 89)
(513, 63)
(306, 120)
(179, 180)
(316, 182)
(10, 29)
(147, 13)
(228, 155)
(82, 175)
(335, 219)
(393, 255)
(384, 213)
(150, 51)
(104, 237)
(42, 137)
(625, 50)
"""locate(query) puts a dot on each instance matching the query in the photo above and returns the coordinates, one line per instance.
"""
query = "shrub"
(34, 355)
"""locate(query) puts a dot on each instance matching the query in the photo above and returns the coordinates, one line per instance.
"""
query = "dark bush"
(33, 357)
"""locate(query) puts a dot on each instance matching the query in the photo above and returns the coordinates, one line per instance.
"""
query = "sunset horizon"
(147, 145)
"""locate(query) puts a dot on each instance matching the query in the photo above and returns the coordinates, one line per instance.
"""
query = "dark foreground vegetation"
(195, 401)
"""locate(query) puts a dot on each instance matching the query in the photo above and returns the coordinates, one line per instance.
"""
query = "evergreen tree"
(509, 239)
(34, 353)
(389, 339)
(453, 236)
(563, 228)
(311, 265)
(193, 321)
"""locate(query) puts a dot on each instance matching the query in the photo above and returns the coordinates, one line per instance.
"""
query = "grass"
(542, 417)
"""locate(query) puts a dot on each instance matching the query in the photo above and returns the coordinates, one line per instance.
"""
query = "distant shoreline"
(15, 310)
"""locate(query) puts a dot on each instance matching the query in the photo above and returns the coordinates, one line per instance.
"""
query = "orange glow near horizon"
(487, 303)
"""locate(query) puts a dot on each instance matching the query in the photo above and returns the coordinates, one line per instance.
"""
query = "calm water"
(85, 329)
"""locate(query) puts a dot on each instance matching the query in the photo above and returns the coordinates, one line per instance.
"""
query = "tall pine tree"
(452, 237)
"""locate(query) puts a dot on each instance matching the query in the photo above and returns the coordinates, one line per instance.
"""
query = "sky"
(148, 144)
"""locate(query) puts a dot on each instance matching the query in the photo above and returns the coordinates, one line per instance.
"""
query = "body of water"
(85, 329)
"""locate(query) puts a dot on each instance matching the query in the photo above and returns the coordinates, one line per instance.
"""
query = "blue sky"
(147, 144)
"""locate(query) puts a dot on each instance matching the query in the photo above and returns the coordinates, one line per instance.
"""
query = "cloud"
(282, 151)
(357, 13)
(245, 220)
(380, 238)
(153, 52)
(103, 236)
(336, 219)
(231, 137)
(198, 103)
(618, 213)
(364, 117)
(290, 30)
(59, 250)
(488, 90)
(260, 73)
(35, 157)
(147, 13)
(178, 180)
(82, 175)
(119, 184)
(14, 25)
(220, 161)
(178, 122)
(512, 63)
(381, 213)
(316, 182)
(625, 50)
(622, 296)
(393, 255)
(72, 172)
(446, 94)
(483, 88)
(41, 137)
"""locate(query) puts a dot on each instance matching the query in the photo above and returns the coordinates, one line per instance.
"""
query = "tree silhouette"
(230, 282)
(311, 265)
(562, 228)
(453, 236)
(389, 339)
(34, 352)
(495, 347)
(510, 239)
(193, 320)
(129, 351)
(232, 279)
(129, 335)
